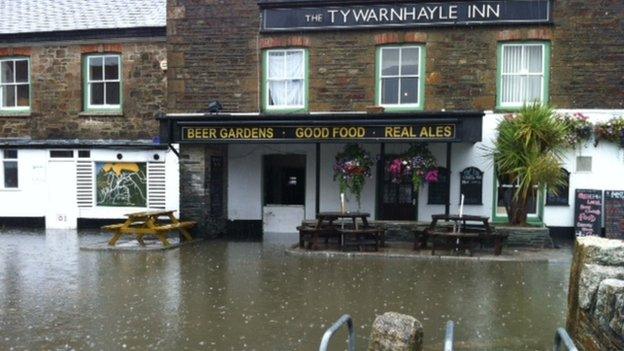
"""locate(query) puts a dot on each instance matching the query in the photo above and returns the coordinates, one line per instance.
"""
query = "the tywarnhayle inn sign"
(404, 14)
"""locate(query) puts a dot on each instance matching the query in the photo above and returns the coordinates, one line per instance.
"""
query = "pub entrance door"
(397, 201)
(284, 192)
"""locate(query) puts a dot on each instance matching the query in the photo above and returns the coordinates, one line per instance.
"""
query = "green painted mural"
(121, 184)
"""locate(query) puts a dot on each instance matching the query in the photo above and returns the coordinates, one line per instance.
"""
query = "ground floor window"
(561, 198)
(284, 179)
(506, 192)
(9, 169)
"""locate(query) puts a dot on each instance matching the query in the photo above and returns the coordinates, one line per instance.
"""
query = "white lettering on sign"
(425, 13)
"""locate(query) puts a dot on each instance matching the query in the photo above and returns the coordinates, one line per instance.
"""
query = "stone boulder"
(396, 332)
(596, 294)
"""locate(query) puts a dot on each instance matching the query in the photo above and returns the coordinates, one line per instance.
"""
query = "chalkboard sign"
(614, 214)
(471, 185)
(439, 191)
(216, 186)
(561, 198)
(588, 212)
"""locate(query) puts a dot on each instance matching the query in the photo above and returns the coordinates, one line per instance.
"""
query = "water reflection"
(251, 296)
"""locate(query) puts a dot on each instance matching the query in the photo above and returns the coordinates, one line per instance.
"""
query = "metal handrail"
(345, 319)
(562, 336)
(448, 337)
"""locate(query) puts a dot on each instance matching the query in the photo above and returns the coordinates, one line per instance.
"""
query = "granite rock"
(396, 332)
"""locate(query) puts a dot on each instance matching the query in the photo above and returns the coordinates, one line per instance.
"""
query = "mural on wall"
(121, 184)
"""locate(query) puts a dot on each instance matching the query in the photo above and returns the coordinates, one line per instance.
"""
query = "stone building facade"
(217, 52)
(78, 98)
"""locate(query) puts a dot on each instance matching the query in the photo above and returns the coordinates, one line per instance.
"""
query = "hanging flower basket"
(578, 128)
(417, 164)
(352, 167)
(611, 131)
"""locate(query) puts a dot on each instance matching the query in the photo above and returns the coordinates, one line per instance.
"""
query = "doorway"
(284, 184)
(397, 201)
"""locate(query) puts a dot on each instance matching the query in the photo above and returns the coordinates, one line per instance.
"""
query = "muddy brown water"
(252, 296)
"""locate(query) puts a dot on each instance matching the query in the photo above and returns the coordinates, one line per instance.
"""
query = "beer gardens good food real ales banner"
(121, 184)
(614, 214)
(588, 212)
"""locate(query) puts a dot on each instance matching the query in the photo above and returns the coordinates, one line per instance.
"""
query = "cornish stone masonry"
(214, 50)
(57, 93)
(596, 295)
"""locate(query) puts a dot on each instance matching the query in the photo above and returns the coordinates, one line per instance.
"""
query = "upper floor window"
(285, 83)
(523, 74)
(399, 77)
(14, 84)
(103, 82)
(9, 169)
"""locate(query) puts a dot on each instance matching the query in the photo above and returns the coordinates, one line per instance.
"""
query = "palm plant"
(527, 154)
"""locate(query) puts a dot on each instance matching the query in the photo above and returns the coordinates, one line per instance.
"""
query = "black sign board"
(588, 212)
(414, 132)
(439, 191)
(614, 214)
(216, 186)
(471, 186)
(416, 14)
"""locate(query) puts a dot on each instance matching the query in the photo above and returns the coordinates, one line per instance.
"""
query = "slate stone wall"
(57, 93)
(214, 50)
(596, 295)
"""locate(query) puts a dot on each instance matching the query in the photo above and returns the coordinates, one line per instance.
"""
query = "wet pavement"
(219, 295)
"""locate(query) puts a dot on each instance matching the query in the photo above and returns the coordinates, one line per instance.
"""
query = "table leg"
(140, 239)
(114, 239)
(163, 239)
(185, 233)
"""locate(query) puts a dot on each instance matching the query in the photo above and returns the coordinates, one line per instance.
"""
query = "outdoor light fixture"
(215, 107)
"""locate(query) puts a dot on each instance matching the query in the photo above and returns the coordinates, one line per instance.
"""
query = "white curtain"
(523, 73)
(286, 78)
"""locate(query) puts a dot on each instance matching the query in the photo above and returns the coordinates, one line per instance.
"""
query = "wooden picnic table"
(330, 217)
(148, 223)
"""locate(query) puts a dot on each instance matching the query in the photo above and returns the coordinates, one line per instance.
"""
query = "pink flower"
(432, 176)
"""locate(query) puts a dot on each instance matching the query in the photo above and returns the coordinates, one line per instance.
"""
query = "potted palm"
(527, 154)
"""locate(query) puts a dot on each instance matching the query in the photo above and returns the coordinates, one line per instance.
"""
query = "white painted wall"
(245, 172)
(35, 182)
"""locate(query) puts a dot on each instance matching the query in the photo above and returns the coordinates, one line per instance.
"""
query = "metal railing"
(562, 338)
(345, 319)
(448, 337)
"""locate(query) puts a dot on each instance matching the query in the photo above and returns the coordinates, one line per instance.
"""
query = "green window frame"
(15, 86)
(535, 219)
(400, 77)
(267, 106)
(107, 82)
(519, 72)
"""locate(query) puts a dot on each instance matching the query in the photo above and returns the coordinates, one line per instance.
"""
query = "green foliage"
(351, 168)
(610, 131)
(528, 153)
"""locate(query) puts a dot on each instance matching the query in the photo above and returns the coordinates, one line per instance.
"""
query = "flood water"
(252, 296)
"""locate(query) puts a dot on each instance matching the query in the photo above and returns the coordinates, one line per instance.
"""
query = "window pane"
(95, 68)
(390, 91)
(294, 65)
(111, 69)
(295, 92)
(409, 61)
(6, 72)
(8, 96)
(276, 64)
(409, 90)
(23, 95)
(511, 89)
(534, 89)
(97, 93)
(10, 174)
(21, 71)
(390, 62)
(277, 93)
(61, 153)
(534, 58)
(112, 93)
(512, 59)
(10, 154)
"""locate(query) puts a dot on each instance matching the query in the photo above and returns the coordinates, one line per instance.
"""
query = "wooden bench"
(361, 237)
(142, 224)
(461, 241)
(311, 235)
